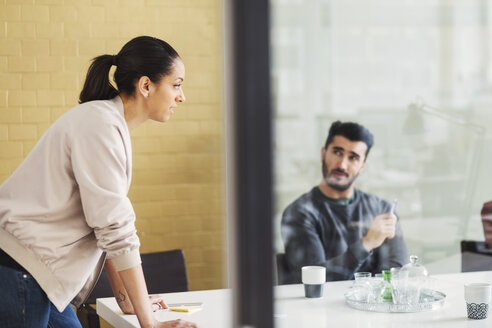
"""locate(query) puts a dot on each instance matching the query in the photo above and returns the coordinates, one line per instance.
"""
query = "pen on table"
(184, 304)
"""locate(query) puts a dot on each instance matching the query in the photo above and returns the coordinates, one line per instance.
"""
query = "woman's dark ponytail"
(97, 85)
(141, 56)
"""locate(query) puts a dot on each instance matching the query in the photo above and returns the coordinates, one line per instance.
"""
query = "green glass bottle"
(387, 294)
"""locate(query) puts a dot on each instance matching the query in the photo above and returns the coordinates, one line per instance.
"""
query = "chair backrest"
(165, 272)
(284, 276)
(475, 256)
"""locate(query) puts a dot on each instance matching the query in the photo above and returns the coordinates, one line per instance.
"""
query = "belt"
(8, 261)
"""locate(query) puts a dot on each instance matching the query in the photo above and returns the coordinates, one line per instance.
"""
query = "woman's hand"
(176, 324)
(157, 302)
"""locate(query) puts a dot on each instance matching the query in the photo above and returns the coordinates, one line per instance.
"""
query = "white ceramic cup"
(477, 297)
(313, 278)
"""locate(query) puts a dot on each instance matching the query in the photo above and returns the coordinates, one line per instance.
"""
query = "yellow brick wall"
(45, 50)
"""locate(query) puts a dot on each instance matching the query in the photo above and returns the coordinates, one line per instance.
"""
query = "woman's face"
(164, 97)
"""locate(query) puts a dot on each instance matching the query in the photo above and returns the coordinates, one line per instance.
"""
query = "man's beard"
(334, 184)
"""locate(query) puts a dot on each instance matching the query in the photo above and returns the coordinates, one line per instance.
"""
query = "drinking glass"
(399, 282)
(376, 287)
(362, 286)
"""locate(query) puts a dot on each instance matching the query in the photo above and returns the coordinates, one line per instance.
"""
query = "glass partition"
(418, 75)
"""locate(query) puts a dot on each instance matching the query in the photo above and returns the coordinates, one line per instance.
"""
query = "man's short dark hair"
(352, 131)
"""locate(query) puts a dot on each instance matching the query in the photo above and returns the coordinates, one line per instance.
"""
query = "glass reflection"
(379, 63)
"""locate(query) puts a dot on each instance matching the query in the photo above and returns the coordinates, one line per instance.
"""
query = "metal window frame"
(249, 187)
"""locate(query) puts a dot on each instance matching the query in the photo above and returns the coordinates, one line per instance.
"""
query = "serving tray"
(429, 300)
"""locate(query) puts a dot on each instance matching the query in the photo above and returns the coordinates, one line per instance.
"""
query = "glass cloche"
(414, 268)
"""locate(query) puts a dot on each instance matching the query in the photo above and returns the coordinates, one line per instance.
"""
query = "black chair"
(165, 272)
(475, 256)
(284, 275)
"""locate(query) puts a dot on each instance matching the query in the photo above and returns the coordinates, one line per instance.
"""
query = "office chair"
(475, 256)
(284, 275)
(165, 272)
(486, 215)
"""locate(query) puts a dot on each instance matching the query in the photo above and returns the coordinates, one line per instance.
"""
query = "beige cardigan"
(67, 202)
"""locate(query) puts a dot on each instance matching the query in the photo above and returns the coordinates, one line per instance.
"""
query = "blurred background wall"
(177, 188)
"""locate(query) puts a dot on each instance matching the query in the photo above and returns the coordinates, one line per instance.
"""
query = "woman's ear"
(143, 86)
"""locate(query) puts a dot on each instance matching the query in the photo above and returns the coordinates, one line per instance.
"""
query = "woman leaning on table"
(65, 209)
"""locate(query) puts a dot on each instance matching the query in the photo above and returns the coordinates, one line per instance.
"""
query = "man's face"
(342, 162)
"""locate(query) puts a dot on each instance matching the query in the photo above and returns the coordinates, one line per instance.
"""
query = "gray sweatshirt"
(318, 231)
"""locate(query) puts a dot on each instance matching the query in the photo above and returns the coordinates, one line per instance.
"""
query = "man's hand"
(382, 227)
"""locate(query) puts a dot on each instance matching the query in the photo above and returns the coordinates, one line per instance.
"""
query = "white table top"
(216, 309)
(292, 309)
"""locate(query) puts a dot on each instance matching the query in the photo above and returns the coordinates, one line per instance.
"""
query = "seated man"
(337, 226)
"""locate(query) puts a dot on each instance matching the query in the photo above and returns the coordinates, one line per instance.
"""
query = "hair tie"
(114, 59)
